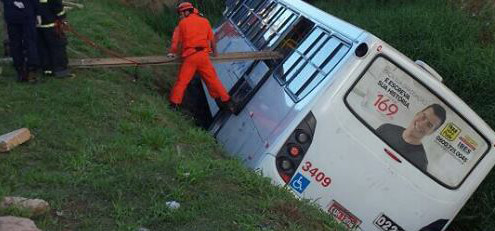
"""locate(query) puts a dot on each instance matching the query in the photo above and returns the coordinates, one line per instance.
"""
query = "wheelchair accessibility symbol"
(299, 183)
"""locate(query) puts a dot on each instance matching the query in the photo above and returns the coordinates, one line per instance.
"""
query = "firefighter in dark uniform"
(5, 37)
(20, 16)
(52, 41)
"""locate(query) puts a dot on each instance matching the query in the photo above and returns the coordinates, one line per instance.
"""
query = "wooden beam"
(73, 4)
(5, 61)
(163, 60)
(13, 139)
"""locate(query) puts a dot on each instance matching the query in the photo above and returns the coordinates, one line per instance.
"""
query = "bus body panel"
(344, 28)
(269, 107)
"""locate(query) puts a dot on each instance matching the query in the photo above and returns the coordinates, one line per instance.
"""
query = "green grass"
(459, 43)
(108, 153)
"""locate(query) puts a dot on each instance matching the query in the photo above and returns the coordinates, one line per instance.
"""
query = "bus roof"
(346, 29)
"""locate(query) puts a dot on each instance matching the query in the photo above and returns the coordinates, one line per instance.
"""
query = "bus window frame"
(307, 60)
(258, 35)
(261, 82)
(231, 7)
(441, 99)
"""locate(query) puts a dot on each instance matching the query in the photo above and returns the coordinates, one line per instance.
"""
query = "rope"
(98, 47)
(109, 52)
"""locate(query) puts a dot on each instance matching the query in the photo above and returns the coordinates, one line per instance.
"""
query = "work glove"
(61, 25)
(19, 5)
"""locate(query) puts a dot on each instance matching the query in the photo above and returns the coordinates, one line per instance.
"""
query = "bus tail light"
(392, 155)
(294, 151)
(295, 147)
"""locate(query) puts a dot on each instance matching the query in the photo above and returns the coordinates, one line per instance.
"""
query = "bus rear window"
(415, 123)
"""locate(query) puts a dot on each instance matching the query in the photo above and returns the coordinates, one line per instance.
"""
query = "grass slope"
(108, 153)
(460, 45)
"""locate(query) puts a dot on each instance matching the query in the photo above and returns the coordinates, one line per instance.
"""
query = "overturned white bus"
(346, 120)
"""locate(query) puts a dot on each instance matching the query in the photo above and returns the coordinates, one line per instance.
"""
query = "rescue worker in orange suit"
(52, 40)
(193, 39)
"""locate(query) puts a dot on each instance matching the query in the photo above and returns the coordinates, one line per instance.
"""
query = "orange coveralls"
(193, 35)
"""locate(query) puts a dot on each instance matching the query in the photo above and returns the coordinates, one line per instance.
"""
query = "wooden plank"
(13, 139)
(163, 60)
(73, 4)
(5, 61)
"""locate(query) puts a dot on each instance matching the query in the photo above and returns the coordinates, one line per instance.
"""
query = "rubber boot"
(62, 74)
(21, 75)
(32, 76)
(229, 106)
(174, 106)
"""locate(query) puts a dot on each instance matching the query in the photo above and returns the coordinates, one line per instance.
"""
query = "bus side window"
(311, 62)
(231, 6)
(252, 16)
(263, 22)
(247, 13)
(278, 27)
(297, 59)
(292, 40)
(259, 71)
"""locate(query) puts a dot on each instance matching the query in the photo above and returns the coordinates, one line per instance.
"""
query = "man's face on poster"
(425, 123)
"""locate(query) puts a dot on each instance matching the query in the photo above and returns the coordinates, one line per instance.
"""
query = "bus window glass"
(304, 75)
(251, 20)
(277, 27)
(267, 31)
(273, 12)
(241, 12)
(255, 4)
(320, 57)
(317, 34)
(294, 70)
(267, 9)
(316, 46)
(416, 123)
(282, 20)
(263, 22)
(295, 57)
(308, 65)
(252, 31)
(341, 51)
(288, 45)
(283, 27)
(311, 85)
(230, 6)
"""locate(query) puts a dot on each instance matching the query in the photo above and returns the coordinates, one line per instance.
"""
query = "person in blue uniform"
(52, 41)
(20, 17)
